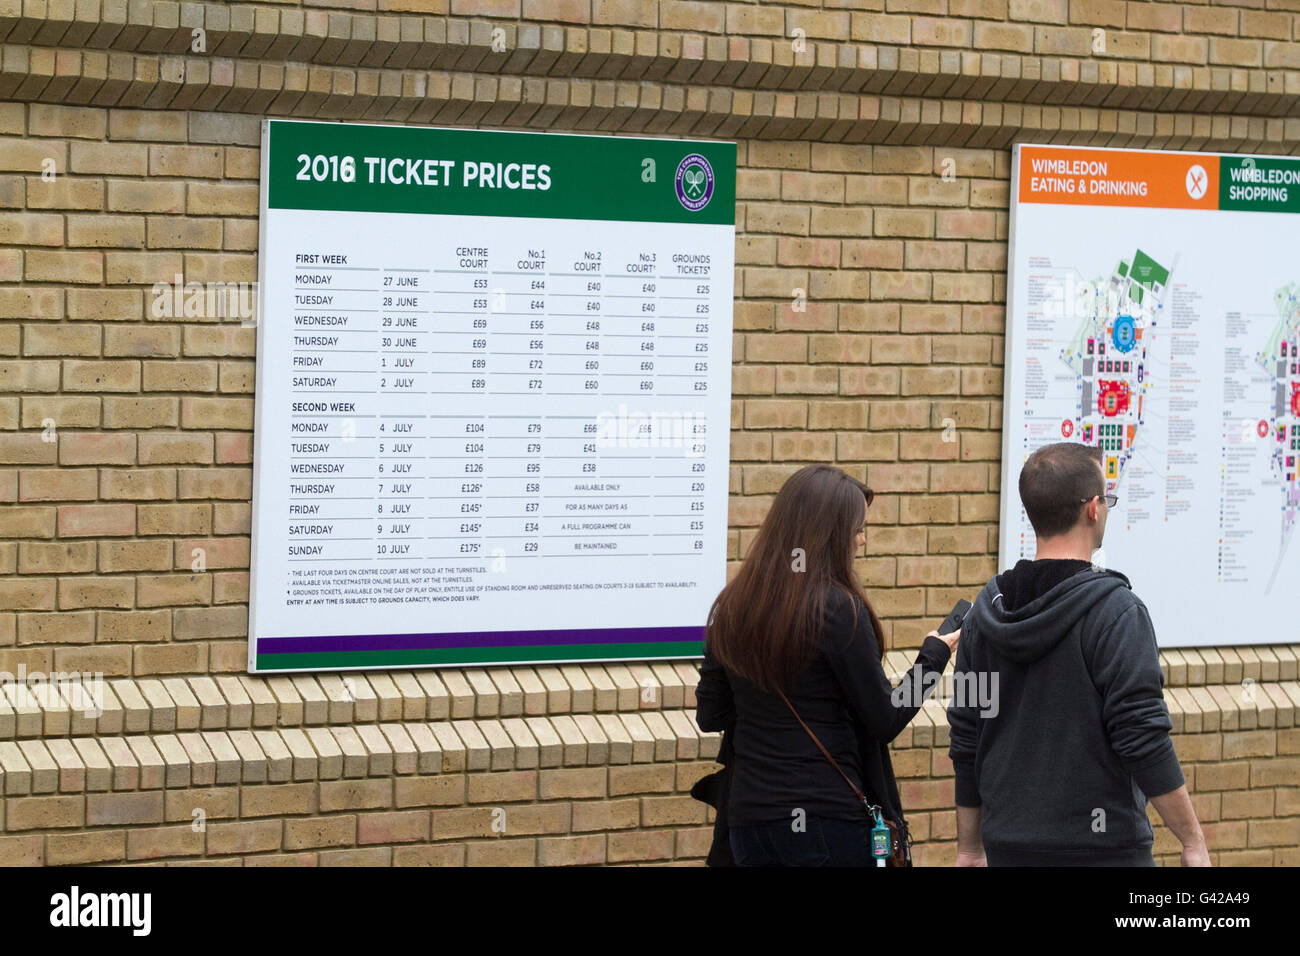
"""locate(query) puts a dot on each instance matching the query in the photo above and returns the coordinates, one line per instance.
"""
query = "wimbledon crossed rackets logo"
(694, 182)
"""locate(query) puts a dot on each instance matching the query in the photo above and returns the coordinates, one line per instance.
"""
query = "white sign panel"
(1154, 311)
(493, 396)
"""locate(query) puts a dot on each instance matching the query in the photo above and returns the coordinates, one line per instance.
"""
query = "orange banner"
(1062, 175)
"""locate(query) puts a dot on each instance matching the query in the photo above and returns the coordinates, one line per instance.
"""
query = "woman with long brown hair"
(796, 622)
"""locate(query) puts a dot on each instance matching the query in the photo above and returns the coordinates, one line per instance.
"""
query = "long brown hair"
(766, 623)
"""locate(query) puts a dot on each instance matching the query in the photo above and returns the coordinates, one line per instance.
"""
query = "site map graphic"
(1109, 355)
(1280, 358)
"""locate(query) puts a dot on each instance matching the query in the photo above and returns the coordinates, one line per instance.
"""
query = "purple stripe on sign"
(393, 642)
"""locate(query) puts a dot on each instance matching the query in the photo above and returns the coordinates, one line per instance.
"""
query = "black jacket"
(1063, 750)
(715, 790)
(773, 767)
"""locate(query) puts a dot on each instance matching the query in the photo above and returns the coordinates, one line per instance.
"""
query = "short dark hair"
(1053, 482)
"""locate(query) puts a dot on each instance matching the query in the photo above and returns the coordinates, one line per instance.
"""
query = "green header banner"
(415, 169)
(1259, 183)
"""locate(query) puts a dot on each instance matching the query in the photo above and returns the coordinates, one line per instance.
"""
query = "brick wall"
(873, 145)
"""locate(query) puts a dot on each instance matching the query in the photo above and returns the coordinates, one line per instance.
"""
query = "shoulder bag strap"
(871, 807)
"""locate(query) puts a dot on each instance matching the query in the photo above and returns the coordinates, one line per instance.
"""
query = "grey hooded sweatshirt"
(1077, 734)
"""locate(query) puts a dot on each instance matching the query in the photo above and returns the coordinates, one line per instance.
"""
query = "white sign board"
(1154, 311)
(493, 396)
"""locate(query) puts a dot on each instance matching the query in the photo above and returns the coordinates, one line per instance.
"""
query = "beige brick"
(222, 199)
(880, 28)
(458, 822)
(584, 850)
(244, 836)
(106, 376)
(574, 783)
(24, 851)
(355, 795)
(502, 853)
(156, 842)
(96, 520)
(312, 832)
(1165, 18)
(282, 799)
(510, 787)
(1179, 49)
(640, 845)
(671, 811)
(606, 814)
(93, 846)
(147, 125)
(42, 813)
(30, 155)
(105, 304)
(111, 232)
(191, 162)
(65, 192)
(440, 854)
(124, 808)
(32, 229)
(118, 159)
(152, 196)
(78, 267)
(400, 826)
(172, 232)
(1210, 20)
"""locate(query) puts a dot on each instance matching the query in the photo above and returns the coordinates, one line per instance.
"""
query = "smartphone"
(954, 619)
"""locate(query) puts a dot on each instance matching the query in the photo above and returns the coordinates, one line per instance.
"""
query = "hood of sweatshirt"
(1030, 631)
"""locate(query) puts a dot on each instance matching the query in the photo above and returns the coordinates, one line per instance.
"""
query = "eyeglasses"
(1111, 500)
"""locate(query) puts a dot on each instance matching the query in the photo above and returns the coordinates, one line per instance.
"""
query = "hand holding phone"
(958, 614)
(950, 630)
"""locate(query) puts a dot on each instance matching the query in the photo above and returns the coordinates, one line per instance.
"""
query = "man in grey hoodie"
(1060, 770)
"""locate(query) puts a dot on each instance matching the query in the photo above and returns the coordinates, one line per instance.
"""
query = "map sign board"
(1154, 312)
